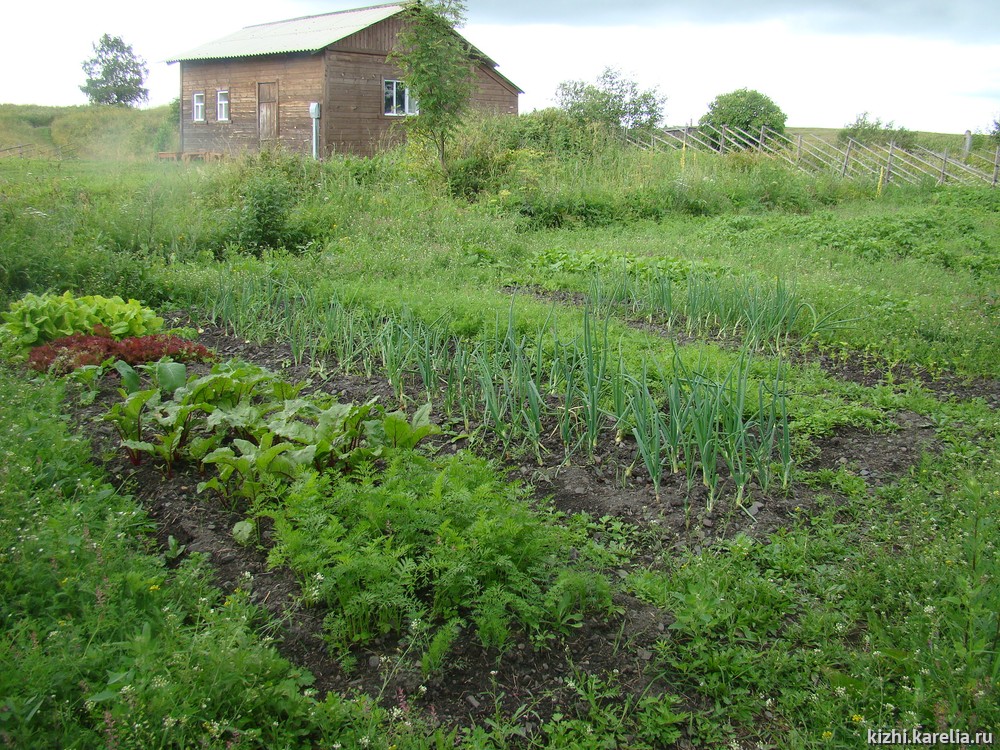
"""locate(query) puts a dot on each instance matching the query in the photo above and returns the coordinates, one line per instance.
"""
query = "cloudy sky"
(924, 64)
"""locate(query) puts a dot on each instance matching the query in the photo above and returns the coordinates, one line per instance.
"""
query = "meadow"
(575, 446)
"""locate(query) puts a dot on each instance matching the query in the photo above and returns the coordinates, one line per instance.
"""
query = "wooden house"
(261, 85)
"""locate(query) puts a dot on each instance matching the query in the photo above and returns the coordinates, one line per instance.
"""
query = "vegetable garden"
(617, 449)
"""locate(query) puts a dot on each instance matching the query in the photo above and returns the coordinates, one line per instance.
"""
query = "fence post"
(888, 163)
(798, 149)
(967, 148)
(722, 140)
(760, 143)
(996, 167)
(944, 168)
(847, 158)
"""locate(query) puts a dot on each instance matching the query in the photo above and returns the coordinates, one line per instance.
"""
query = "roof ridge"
(331, 13)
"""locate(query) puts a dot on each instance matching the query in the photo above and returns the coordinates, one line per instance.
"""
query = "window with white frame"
(198, 106)
(398, 101)
(222, 105)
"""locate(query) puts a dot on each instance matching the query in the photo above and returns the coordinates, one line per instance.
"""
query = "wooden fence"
(34, 151)
(852, 160)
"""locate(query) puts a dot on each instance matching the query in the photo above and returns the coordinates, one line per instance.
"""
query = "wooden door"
(267, 112)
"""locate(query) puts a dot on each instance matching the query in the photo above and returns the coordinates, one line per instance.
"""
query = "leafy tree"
(115, 74)
(871, 131)
(612, 100)
(745, 109)
(438, 68)
(995, 133)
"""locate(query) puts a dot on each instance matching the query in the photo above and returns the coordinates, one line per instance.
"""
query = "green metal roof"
(306, 34)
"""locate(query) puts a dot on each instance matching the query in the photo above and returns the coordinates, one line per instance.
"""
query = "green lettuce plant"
(39, 318)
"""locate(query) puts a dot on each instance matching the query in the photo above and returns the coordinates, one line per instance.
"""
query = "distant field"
(931, 141)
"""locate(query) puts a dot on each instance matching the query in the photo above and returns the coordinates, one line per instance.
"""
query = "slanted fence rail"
(852, 160)
(34, 151)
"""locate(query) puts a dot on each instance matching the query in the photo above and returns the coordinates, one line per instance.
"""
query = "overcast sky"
(924, 64)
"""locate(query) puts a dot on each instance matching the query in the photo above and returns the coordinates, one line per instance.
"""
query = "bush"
(873, 132)
(745, 109)
(613, 100)
(552, 131)
(258, 194)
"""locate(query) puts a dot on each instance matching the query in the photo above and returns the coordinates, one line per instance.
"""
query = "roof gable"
(305, 34)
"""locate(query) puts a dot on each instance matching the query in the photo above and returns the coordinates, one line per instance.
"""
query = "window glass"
(398, 101)
(222, 105)
(198, 106)
(390, 97)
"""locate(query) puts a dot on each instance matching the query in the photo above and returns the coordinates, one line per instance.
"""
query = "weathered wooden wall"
(347, 79)
(493, 93)
(354, 119)
(299, 81)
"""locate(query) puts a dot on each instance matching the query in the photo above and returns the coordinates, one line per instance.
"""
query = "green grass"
(876, 609)
(829, 598)
(919, 282)
(102, 643)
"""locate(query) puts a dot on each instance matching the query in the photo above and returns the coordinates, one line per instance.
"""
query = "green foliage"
(259, 214)
(614, 101)
(252, 427)
(597, 714)
(437, 66)
(115, 74)
(428, 540)
(39, 318)
(103, 644)
(550, 130)
(22, 124)
(113, 133)
(644, 267)
(878, 602)
(871, 131)
(753, 621)
(746, 109)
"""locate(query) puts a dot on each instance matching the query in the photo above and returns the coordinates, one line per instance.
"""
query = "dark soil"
(478, 681)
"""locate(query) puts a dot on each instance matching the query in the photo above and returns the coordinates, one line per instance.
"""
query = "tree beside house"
(255, 87)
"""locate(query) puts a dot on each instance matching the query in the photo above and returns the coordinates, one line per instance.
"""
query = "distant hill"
(938, 142)
(90, 132)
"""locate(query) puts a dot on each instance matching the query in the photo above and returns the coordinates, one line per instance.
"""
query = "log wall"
(347, 79)
(299, 80)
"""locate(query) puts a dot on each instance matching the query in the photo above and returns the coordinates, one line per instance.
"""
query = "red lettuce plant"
(66, 354)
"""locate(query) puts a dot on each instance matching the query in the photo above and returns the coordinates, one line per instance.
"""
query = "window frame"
(410, 105)
(198, 106)
(219, 105)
